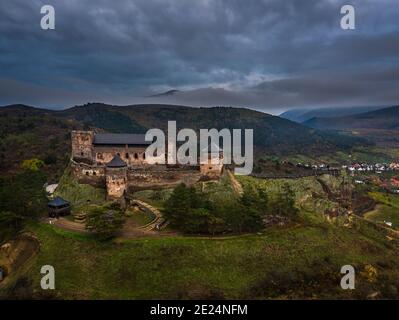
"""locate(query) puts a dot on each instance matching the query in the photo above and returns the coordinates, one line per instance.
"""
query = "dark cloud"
(268, 55)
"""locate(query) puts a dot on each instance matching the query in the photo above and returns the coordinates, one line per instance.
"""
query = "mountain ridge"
(384, 119)
(303, 115)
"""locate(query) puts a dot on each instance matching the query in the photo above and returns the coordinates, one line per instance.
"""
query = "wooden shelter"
(58, 207)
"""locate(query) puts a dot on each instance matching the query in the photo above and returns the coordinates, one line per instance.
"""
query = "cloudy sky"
(269, 55)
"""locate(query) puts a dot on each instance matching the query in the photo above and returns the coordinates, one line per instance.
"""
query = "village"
(355, 167)
(381, 175)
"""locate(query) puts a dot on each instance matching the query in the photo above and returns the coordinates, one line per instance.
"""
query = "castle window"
(94, 173)
(144, 155)
(210, 168)
(81, 154)
(127, 155)
(87, 173)
(136, 156)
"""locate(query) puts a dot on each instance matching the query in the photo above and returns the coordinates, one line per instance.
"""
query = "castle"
(118, 163)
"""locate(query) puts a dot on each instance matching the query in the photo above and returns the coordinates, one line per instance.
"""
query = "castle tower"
(214, 166)
(116, 178)
(82, 146)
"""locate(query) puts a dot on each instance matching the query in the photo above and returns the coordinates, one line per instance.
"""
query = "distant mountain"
(104, 117)
(302, 115)
(22, 109)
(166, 93)
(296, 115)
(385, 119)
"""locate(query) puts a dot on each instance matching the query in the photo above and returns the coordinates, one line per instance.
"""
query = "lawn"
(139, 217)
(79, 195)
(301, 261)
(156, 198)
(218, 191)
(386, 210)
(309, 193)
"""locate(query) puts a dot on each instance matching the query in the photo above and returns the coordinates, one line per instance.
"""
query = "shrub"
(104, 222)
(189, 210)
(32, 164)
(10, 224)
(50, 159)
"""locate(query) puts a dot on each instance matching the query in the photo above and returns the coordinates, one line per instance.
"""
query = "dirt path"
(237, 187)
(67, 224)
(131, 231)
(17, 255)
(369, 214)
(391, 231)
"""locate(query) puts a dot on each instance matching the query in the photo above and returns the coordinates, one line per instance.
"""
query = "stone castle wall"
(137, 178)
(131, 155)
(88, 174)
(160, 176)
(89, 162)
(214, 167)
(82, 146)
(116, 182)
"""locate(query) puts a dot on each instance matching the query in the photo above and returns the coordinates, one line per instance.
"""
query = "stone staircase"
(80, 217)
(158, 220)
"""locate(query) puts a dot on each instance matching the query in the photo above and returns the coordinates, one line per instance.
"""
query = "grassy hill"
(309, 193)
(386, 210)
(27, 132)
(102, 116)
(301, 261)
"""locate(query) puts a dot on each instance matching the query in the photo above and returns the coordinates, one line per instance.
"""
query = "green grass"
(309, 194)
(387, 210)
(80, 195)
(155, 198)
(218, 191)
(302, 260)
(141, 218)
(187, 267)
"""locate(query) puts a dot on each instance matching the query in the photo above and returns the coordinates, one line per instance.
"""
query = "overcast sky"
(270, 55)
